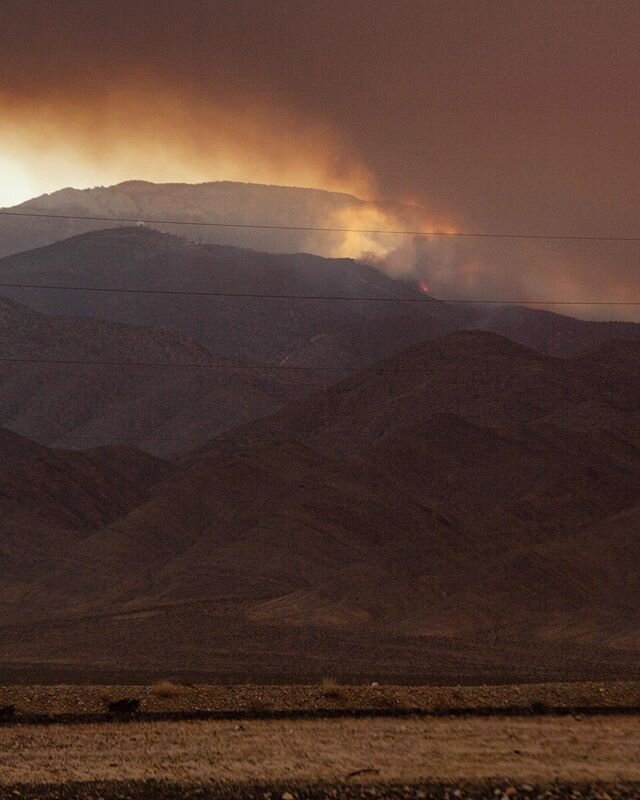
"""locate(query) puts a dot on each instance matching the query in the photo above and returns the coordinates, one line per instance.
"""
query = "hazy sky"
(498, 116)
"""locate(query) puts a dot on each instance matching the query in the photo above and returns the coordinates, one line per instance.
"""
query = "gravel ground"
(159, 790)
(534, 750)
(246, 698)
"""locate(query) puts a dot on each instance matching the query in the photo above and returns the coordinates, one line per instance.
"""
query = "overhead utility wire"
(149, 438)
(420, 298)
(322, 229)
(185, 365)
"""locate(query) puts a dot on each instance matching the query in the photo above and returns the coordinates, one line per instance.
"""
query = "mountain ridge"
(191, 206)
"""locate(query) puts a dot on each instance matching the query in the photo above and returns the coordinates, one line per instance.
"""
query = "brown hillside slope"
(462, 488)
(51, 499)
(166, 410)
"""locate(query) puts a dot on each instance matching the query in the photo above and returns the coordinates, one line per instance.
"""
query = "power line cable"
(421, 297)
(184, 365)
(148, 438)
(327, 229)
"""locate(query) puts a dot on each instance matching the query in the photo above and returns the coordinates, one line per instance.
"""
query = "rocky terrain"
(77, 701)
(424, 790)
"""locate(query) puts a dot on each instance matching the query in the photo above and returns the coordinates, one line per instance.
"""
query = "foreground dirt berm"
(174, 697)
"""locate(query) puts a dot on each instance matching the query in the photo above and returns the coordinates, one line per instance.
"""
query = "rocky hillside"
(468, 488)
(49, 392)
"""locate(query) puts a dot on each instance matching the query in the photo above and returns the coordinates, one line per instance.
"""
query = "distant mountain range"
(223, 202)
(251, 328)
(170, 411)
(348, 331)
(423, 485)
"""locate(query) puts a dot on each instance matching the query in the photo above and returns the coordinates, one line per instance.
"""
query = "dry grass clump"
(332, 690)
(106, 695)
(166, 689)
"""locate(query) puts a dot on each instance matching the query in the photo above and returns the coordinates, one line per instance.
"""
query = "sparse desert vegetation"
(332, 690)
(166, 689)
(125, 705)
(115, 702)
(106, 694)
(75, 700)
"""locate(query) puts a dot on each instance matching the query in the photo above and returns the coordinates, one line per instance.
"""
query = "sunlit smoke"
(390, 236)
(158, 134)
(161, 135)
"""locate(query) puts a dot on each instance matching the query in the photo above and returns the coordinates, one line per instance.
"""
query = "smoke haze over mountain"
(500, 117)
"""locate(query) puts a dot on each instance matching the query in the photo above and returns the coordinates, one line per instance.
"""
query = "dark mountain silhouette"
(468, 487)
(249, 328)
(291, 331)
(51, 499)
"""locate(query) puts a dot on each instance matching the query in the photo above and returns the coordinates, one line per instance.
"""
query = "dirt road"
(539, 750)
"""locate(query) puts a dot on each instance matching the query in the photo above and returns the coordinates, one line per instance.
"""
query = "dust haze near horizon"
(497, 117)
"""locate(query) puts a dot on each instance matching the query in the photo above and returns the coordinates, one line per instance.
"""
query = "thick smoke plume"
(490, 120)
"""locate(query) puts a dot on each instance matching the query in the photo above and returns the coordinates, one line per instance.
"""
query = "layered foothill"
(469, 498)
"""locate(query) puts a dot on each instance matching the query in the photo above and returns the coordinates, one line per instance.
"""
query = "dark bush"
(539, 707)
(127, 705)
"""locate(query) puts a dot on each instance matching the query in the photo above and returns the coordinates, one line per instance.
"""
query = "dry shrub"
(166, 689)
(125, 706)
(332, 690)
(106, 695)
(117, 704)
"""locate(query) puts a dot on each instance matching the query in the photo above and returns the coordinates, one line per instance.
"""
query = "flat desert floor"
(566, 754)
(523, 749)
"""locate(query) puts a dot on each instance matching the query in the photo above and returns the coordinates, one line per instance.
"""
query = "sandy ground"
(538, 750)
